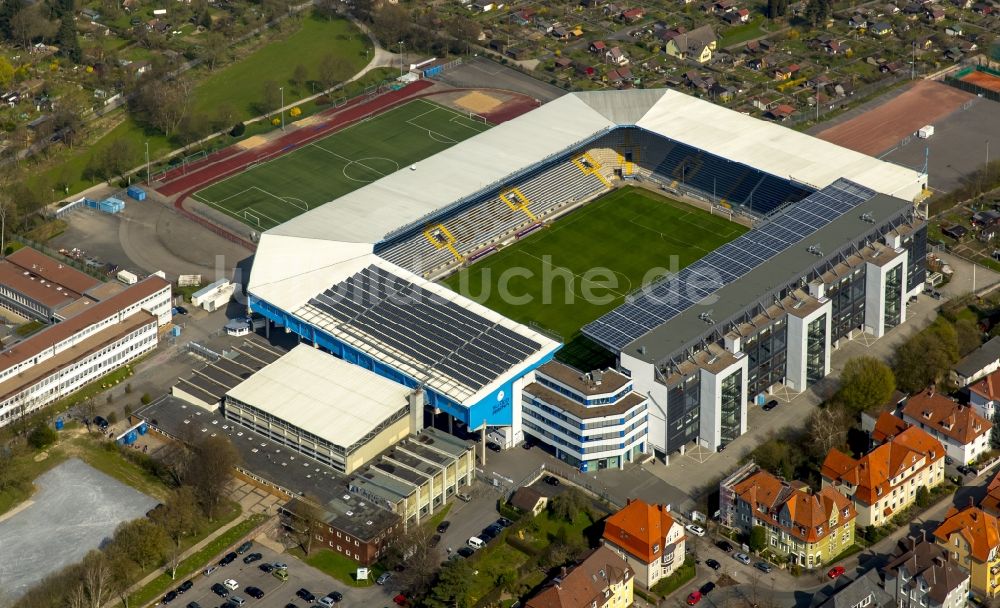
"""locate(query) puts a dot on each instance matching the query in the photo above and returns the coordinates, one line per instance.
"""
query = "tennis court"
(275, 190)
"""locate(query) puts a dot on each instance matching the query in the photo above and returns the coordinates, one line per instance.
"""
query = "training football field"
(274, 191)
(568, 274)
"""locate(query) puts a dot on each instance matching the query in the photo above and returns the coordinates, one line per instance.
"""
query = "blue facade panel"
(496, 409)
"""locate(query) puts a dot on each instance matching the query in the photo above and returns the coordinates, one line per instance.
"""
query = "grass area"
(490, 565)
(104, 456)
(742, 33)
(26, 329)
(680, 577)
(338, 566)
(242, 83)
(198, 560)
(570, 273)
(278, 190)
(28, 468)
(439, 517)
(47, 231)
(544, 529)
(94, 388)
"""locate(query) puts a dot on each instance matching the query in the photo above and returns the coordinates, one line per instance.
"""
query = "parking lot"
(277, 593)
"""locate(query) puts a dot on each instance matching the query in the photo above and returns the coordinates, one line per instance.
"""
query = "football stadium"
(769, 248)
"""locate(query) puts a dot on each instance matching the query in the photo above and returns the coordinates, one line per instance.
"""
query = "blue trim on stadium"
(495, 409)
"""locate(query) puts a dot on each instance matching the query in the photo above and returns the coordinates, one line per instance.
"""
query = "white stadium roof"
(333, 399)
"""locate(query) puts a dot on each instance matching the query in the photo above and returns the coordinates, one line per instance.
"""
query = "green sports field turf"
(277, 190)
(583, 265)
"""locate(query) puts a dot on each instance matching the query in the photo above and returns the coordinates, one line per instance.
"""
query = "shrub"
(42, 436)
(146, 399)
(238, 130)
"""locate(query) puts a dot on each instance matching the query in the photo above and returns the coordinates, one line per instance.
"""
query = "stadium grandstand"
(353, 276)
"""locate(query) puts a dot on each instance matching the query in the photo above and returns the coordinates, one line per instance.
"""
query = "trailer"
(136, 193)
(925, 132)
(129, 278)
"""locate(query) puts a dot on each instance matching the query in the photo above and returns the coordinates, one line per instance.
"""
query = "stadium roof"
(665, 318)
(449, 343)
(332, 399)
(400, 199)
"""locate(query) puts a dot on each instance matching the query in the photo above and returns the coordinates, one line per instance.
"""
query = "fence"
(956, 81)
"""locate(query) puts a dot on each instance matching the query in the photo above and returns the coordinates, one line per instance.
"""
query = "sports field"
(583, 265)
(271, 192)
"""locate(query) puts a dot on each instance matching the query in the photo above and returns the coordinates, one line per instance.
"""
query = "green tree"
(926, 357)
(866, 384)
(453, 586)
(179, 518)
(66, 39)
(994, 432)
(569, 504)
(42, 436)
(6, 72)
(142, 541)
(923, 498)
(758, 539)
(967, 336)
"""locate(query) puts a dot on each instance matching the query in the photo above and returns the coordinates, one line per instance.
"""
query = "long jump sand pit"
(478, 102)
(882, 127)
(252, 142)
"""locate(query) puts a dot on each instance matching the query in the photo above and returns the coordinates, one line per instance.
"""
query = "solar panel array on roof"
(661, 301)
(435, 332)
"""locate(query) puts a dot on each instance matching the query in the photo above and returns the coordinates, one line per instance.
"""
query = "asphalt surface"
(75, 509)
(482, 73)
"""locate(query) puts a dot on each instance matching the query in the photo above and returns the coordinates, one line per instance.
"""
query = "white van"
(476, 543)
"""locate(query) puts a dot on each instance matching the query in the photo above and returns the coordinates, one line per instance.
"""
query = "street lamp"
(147, 163)
(282, 107)
(400, 58)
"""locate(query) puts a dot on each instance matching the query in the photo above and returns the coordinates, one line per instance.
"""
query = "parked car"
(185, 586)
(266, 567)
(435, 541)
(694, 598)
(493, 530)
(100, 422)
(707, 588)
(231, 584)
(770, 405)
(493, 447)
(326, 602)
(181, 310)
(763, 567)
(194, 605)
(527, 445)
(280, 574)
(463, 497)
(228, 558)
(219, 590)
(169, 597)
(466, 551)
(836, 572)
(742, 558)
(711, 563)
(253, 557)
(208, 571)
(695, 529)
(336, 596)
(443, 526)
(725, 545)
(254, 592)
(503, 522)
(280, 566)
(551, 480)
(385, 576)
(244, 547)
(304, 594)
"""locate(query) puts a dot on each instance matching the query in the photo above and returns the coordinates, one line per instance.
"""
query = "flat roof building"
(340, 414)
(36, 286)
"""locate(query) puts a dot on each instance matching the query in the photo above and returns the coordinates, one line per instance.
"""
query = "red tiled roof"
(959, 422)
(52, 270)
(640, 528)
(872, 472)
(585, 584)
(978, 528)
(888, 426)
(807, 513)
(988, 387)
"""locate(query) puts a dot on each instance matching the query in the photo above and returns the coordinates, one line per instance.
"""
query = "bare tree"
(827, 429)
(214, 48)
(124, 574)
(6, 206)
(77, 597)
(307, 518)
(97, 578)
(210, 472)
(178, 517)
(413, 548)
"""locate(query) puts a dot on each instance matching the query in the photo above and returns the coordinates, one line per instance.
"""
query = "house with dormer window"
(810, 528)
(885, 481)
(972, 538)
(648, 538)
(963, 431)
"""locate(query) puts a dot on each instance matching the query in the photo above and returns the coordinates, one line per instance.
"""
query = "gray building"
(920, 575)
(863, 592)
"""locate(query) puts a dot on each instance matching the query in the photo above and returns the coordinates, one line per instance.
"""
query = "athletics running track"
(188, 180)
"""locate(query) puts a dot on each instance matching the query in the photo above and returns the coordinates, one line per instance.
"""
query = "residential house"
(648, 538)
(836, 47)
(964, 433)
(953, 30)
(721, 7)
(934, 14)
(722, 92)
(616, 56)
(619, 77)
(865, 591)
(982, 8)
(601, 580)
(809, 528)
(921, 575)
(984, 395)
(881, 28)
(562, 63)
(696, 45)
(972, 538)
(980, 362)
(632, 15)
(884, 481)
(986, 218)
(697, 81)
(786, 72)
(744, 15)
(763, 103)
(780, 112)
(857, 22)
(529, 500)
(991, 502)
(484, 6)
(597, 46)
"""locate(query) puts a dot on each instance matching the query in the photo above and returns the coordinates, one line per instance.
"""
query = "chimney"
(913, 542)
(416, 399)
(939, 561)
(562, 572)
(923, 534)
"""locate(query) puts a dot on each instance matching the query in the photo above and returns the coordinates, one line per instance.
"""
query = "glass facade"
(916, 258)
(847, 300)
(766, 357)
(683, 412)
(893, 297)
(816, 350)
(731, 410)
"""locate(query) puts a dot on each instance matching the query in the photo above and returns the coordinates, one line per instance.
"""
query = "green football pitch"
(274, 191)
(568, 274)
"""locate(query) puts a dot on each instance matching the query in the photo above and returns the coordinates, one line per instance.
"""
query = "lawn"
(277, 190)
(241, 83)
(105, 457)
(27, 467)
(195, 562)
(338, 566)
(568, 274)
(742, 33)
